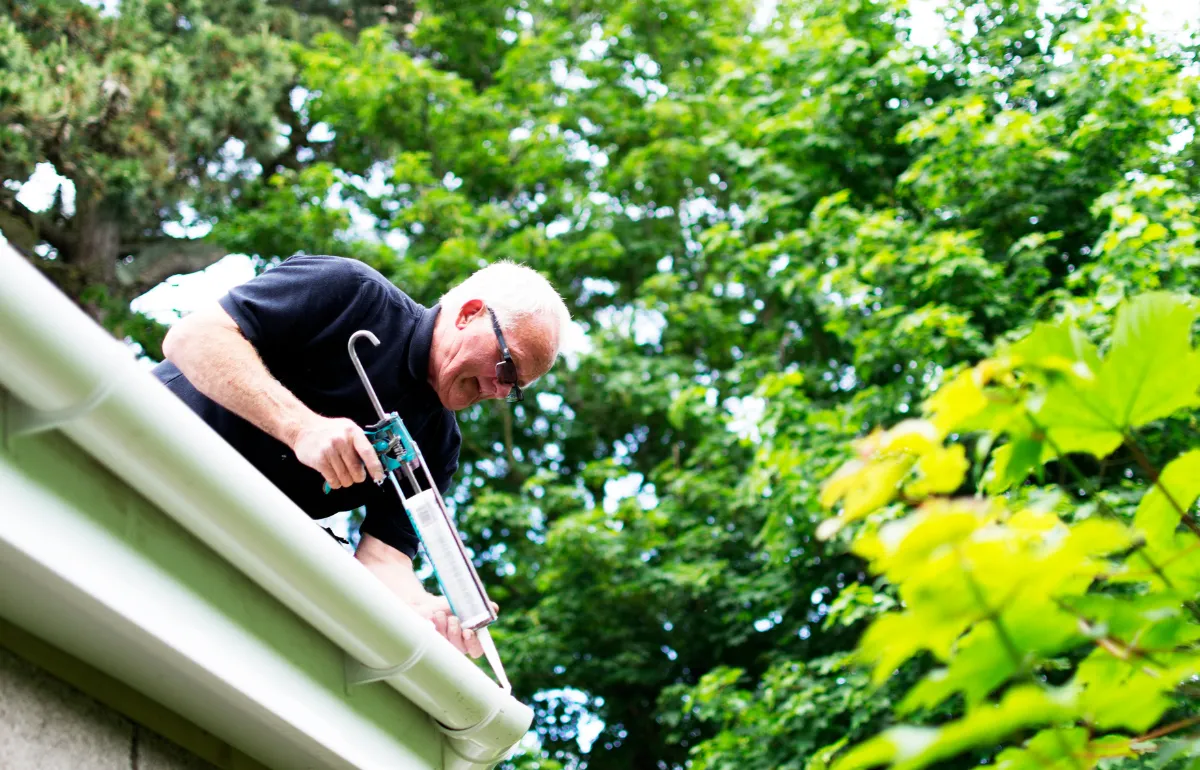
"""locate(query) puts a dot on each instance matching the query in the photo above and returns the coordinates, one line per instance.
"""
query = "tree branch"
(35, 224)
(1167, 729)
(1155, 479)
(289, 158)
(164, 258)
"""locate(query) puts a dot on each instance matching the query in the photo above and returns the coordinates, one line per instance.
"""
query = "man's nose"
(496, 389)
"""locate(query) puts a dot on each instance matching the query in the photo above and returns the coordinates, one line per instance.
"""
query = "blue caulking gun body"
(430, 518)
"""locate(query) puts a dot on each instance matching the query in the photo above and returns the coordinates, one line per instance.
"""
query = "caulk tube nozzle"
(493, 657)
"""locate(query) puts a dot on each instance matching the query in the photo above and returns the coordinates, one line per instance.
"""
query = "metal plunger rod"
(411, 478)
(396, 484)
(362, 375)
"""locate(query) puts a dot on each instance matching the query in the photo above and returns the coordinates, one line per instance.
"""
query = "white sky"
(181, 294)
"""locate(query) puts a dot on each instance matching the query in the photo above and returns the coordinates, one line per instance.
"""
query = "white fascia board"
(58, 362)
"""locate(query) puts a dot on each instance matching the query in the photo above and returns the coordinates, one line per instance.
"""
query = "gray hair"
(517, 293)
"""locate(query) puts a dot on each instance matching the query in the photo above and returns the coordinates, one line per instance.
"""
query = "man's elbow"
(188, 333)
(171, 343)
(181, 338)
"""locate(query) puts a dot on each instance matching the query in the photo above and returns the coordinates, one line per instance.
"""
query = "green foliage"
(776, 234)
(161, 116)
(1009, 593)
(797, 711)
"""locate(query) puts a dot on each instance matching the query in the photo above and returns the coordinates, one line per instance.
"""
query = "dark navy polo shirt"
(299, 316)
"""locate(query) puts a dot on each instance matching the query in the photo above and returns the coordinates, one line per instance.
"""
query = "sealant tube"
(455, 573)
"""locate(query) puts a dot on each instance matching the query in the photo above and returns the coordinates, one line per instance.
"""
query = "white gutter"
(90, 567)
(74, 376)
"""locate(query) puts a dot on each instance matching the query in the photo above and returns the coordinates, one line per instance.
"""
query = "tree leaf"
(1157, 516)
(941, 471)
(1012, 464)
(862, 487)
(1119, 694)
(1151, 370)
(956, 402)
(1052, 749)
(910, 748)
(1060, 346)
(980, 664)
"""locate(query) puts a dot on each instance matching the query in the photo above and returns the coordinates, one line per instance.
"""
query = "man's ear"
(469, 311)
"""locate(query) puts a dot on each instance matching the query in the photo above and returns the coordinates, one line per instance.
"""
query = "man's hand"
(436, 610)
(338, 449)
(396, 571)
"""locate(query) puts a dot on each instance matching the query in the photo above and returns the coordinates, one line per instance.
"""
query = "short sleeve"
(291, 304)
(388, 522)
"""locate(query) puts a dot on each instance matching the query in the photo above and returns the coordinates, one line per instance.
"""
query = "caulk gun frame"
(477, 622)
(408, 467)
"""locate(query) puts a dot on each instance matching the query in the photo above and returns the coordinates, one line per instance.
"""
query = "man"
(267, 368)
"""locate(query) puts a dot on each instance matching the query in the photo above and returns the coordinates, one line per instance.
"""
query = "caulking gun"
(443, 547)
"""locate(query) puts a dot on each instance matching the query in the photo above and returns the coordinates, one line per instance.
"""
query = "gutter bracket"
(357, 673)
(461, 741)
(24, 420)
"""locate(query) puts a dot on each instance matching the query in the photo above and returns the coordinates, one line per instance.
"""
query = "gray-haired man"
(267, 368)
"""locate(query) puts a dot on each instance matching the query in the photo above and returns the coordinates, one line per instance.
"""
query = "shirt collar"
(422, 343)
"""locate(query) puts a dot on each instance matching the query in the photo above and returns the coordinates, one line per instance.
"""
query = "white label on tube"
(449, 562)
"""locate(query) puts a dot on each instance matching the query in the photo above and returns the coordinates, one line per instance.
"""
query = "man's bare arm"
(210, 350)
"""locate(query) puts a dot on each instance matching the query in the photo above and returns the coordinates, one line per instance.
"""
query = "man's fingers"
(455, 634)
(495, 607)
(447, 625)
(471, 640)
(349, 455)
(331, 477)
(339, 469)
(323, 469)
(366, 454)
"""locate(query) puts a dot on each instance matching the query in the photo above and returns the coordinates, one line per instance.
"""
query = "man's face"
(466, 374)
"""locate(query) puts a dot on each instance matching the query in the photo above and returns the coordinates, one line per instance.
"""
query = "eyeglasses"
(506, 370)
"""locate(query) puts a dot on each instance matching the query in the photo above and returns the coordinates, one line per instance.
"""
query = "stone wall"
(46, 724)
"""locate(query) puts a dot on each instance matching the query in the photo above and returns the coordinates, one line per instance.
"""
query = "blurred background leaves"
(777, 225)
